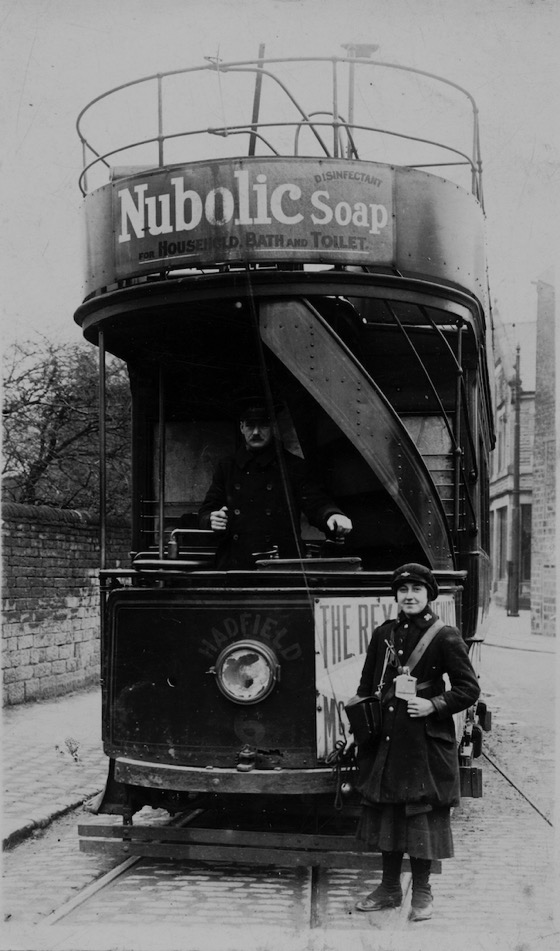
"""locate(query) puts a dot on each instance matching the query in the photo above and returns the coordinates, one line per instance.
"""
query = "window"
(525, 561)
(501, 562)
(501, 447)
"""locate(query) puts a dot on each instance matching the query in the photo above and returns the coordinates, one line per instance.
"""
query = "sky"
(56, 55)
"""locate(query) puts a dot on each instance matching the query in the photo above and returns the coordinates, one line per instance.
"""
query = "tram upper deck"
(299, 163)
(321, 221)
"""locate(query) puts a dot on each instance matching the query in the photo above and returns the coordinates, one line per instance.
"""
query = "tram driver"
(247, 502)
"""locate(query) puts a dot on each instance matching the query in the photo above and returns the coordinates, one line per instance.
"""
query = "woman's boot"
(421, 906)
(389, 893)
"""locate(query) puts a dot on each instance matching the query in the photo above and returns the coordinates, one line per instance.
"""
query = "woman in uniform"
(409, 774)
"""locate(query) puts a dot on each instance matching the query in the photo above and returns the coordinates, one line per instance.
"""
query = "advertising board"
(253, 210)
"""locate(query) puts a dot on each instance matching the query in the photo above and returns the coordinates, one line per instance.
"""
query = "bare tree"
(51, 427)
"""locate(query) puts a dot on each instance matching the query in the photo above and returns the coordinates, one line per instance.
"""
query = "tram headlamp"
(247, 671)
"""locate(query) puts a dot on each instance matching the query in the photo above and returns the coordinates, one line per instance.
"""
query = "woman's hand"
(419, 707)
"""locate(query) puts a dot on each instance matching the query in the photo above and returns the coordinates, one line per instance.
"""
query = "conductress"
(409, 775)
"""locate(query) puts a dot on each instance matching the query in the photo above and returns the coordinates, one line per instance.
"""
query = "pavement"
(515, 632)
(52, 753)
(52, 761)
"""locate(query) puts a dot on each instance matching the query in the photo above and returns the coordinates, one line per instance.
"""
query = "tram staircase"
(419, 484)
(441, 468)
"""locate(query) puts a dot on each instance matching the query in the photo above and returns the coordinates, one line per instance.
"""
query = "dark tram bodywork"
(290, 249)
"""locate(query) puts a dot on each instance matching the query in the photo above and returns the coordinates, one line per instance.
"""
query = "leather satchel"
(364, 717)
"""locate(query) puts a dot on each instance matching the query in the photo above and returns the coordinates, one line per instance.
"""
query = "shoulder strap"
(417, 653)
(424, 643)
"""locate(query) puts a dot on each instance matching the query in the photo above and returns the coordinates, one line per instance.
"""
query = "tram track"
(308, 889)
(107, 878)
(90, 890)
(316, 897)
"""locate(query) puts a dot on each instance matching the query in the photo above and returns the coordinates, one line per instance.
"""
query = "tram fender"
(113, 799)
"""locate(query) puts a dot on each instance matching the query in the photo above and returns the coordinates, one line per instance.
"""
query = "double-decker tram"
(311, 231)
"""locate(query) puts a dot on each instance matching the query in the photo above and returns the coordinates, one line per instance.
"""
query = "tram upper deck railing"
(353, 108)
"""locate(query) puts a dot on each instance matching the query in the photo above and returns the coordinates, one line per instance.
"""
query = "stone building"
(543, 567)
(514, 406)
(511, 474)
(522, 480)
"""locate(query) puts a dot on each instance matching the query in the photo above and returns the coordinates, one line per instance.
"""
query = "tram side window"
(192, 449)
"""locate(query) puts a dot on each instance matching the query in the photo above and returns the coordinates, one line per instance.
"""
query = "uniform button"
(391, 709)
(400, 653)
(237, 511)
(235, 537)
(405, 625)
(268, 512)
(269, 487)
(387, 738)
(237, 486)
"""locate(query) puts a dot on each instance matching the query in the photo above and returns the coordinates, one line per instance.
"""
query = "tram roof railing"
(354, 134)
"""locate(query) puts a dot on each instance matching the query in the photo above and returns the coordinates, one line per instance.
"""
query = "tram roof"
(332, 107)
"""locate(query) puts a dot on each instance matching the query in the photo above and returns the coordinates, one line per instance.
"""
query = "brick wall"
(50, 594)
(543, 547)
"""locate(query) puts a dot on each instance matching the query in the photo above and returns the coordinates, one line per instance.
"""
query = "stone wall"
(543, 530)
(50, 594)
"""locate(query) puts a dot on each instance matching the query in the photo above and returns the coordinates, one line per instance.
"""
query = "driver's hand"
(339, 525)
(219, 519)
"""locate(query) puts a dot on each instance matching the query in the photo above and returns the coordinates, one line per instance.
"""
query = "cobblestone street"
(497, 892)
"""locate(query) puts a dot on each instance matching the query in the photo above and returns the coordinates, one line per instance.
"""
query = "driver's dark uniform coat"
(252, 487)
(415, 760)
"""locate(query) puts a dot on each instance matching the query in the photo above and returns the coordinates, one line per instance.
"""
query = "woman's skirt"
(390, 827)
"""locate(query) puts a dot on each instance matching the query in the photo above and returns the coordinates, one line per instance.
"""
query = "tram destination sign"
(253, 210)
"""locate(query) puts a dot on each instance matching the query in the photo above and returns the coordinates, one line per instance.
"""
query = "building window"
(501, 448)
(525, 562)
(502, 542)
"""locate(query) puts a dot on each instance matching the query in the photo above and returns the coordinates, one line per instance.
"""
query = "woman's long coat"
(415, 760)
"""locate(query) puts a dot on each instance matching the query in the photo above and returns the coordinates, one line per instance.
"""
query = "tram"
(293, 227)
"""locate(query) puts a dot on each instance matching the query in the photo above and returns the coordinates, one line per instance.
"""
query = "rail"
(353, 136)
